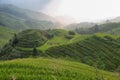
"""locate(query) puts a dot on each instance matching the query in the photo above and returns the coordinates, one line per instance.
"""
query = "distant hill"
(17, 18)
(111, 28)
(100, 49)
(51, 69)
(79, 25)
(5, 35)
(116, 20)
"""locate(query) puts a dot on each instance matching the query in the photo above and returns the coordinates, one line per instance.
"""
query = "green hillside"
(51, 69)
(99, 49)
(17, 18)
(5, 35)
(103, 51)
(29, 39)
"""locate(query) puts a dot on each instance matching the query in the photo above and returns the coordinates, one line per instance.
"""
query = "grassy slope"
(50, 69)
(58, 39)
(5, 35)
(94, 50)
(61, 40)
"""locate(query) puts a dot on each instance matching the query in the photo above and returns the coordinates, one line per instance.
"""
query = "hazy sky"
(83, 10)
(29, 4)
(87, 10)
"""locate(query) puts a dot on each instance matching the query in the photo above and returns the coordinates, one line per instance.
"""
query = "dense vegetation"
(51, 69)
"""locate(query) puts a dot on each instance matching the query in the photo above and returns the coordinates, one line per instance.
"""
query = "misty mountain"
(17, 18)
(109, 28)
(79, 25)
(117, 19)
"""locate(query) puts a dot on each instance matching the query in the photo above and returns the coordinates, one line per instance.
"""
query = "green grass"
(50, 69)
(56, 41)
(60, 39)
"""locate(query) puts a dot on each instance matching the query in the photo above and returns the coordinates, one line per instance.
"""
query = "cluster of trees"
(92, 30)
(71, 33)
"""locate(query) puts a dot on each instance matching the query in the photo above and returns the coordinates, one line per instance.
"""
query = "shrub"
(71, 33)
(69, 37)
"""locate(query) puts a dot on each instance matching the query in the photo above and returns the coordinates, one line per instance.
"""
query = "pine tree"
(15, 40)
(34, 52)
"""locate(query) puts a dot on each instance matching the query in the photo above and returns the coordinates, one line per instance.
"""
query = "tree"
(71, 33)
(15, 40)
(96, 28)
(35, 52)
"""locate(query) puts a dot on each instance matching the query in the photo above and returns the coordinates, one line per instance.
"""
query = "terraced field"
(51, 69)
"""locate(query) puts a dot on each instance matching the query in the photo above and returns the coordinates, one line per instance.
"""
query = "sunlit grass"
(49, 69)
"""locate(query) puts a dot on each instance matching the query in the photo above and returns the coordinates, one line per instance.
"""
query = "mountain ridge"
(17, 18)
